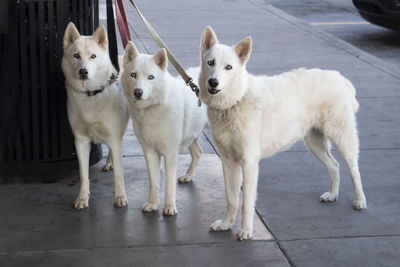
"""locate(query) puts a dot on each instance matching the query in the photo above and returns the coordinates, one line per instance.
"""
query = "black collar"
(95, 92)
(110, 81)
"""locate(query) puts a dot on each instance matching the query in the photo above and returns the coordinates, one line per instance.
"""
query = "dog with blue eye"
(97, 108)
(166, 120)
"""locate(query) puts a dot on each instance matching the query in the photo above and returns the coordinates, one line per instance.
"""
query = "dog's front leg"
(250, 178)
(153, 168)
(120, 199)
(170, 186)
(82, 146)
(232, 176)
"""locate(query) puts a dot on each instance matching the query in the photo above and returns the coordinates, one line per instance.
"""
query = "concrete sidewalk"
(39, 227)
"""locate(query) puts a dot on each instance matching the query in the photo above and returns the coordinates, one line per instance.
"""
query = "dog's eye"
(150, 77)
(76, 55)
(211, 62)
(228, 67)
(93, 56)
(133, 75)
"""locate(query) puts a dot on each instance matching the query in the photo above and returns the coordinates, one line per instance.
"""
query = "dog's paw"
(360, 204)
(81, 203)
(170, 210)
(148, 206)
(328, 197)
(220, 225)
(185, 178)
(244, 234)
(108, 167)
(120, 201)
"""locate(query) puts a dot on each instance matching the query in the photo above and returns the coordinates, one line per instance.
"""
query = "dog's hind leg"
(319, 145)
(109, 165)
(232, 177)
(195, 152)
(153, 168)
(82, 146)
(345, 139)
(119, 183)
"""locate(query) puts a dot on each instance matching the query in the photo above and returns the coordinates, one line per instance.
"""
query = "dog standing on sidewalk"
(166, 120)
(97, 109)
(253, 117)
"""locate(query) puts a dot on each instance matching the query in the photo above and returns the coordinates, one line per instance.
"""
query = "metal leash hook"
(195, 89)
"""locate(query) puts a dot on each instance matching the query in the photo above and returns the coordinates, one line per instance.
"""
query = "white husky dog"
(97, 109)
(253, 117)
(166, 120)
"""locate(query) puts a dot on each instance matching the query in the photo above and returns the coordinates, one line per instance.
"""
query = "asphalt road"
(341, 19)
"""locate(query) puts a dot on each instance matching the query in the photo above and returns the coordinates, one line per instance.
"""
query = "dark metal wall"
(34, 128)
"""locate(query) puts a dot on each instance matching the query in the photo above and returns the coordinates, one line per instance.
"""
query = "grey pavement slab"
(366, 252)
(290, 185)
(42, 217)
(379, 123)
(257, 254)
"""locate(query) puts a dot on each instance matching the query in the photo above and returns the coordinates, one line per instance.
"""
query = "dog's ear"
(70, 35)
(130, 54)
(161, 58)
(100, 37)
(243, 49)
(208, 39)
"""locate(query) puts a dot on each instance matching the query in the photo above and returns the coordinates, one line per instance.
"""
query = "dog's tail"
(356, 105)
(351, 87)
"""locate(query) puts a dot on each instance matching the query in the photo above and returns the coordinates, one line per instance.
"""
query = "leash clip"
(112, 78)
(195, 89)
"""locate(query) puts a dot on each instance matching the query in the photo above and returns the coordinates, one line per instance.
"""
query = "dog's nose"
(213, 82)
(138, 93)
(83, 73)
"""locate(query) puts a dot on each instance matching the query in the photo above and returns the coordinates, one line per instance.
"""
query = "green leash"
(171, 58)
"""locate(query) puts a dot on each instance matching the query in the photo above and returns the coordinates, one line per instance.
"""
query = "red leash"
(122, 22)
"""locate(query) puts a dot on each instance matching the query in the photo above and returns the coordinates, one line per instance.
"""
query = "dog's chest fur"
(85, 119)
(94, 116)
(232, 128)
(157, 127)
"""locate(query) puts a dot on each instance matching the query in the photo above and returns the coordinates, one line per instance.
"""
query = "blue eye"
(211, 62)
(150, 77)
(76, 55)
(228, 67)
(93, 56)
(133, 74)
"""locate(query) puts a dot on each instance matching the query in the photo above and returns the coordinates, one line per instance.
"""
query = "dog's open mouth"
(213, 91)
(83, 77)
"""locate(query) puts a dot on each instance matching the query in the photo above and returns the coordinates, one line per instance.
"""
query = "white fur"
(257, 116)
(166, 120)
(99, 118)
